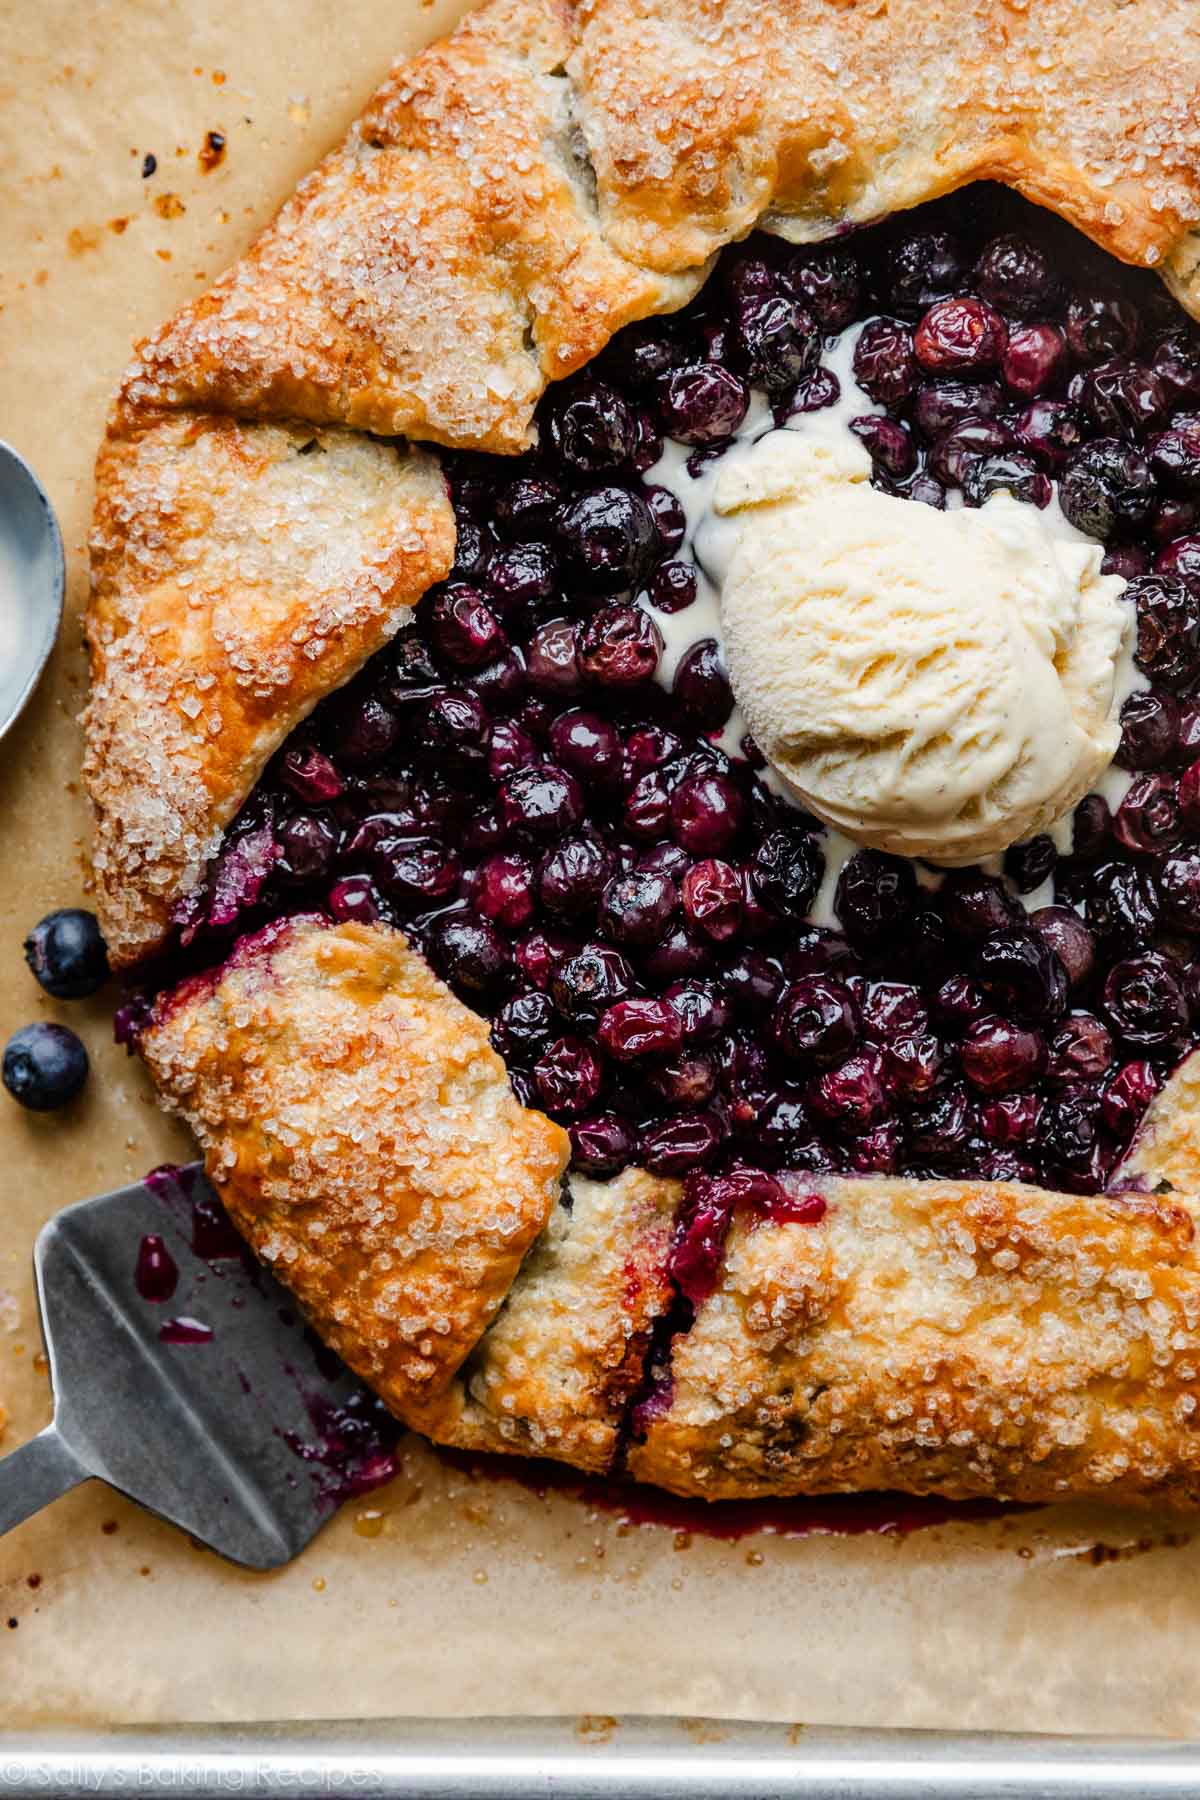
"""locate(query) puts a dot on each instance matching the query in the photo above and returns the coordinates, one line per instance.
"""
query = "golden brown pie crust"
(508, 200)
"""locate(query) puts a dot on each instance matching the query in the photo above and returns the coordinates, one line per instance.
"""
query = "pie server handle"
(35, 1474)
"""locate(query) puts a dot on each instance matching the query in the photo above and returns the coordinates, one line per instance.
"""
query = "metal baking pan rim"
(588, 1758)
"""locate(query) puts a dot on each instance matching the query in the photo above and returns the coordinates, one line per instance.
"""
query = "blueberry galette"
(645, 741)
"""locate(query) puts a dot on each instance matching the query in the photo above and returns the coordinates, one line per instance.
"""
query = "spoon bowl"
(32, 578)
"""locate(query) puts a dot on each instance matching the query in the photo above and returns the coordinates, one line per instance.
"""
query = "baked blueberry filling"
(586, 857)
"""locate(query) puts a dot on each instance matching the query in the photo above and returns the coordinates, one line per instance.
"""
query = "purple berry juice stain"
(156, 1274)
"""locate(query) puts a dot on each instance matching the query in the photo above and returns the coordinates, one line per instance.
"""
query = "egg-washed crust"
(440, 267)
(520, 190)
(958, 1337)
(556, 1373)
(240, 571)
(363, 1135)
(509, 199)
(948, 1337)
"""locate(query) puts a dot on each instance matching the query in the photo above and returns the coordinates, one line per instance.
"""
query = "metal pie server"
(184, 1377)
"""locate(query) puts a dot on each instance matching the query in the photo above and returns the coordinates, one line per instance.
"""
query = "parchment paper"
(443, 1593)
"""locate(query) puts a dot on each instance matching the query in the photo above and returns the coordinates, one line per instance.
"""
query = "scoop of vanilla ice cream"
(937, 684)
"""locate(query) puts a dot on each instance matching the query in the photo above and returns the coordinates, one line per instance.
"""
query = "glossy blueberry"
(1034, 359)
(67, 953)
(307, 842)
(702, 1006)
(815, 1022)
(309, 775)
(679, 1146)
(572, 875)
(952, 454)
(502, 889)
(1149, 725)
(701, 686)
(1080, 1050)
(568, 1077)
(1027, 865)
(364, 730)
(601, 1144)
(1168, 628)
(608, 539)
(706, 813)
(1121, 398)
(1015, 275)
(673, 586)
(1072, 942)
(776, 339)
(999, 1056)
(1179, 890)
(1106, 487)
(44, 1066)
(619, 647)
(589, 426)
(1121, 904)
(713, 899)
(1022, 974)
(701, 403)
(637, 908)
(921, 267)
(888, 443)
(523, 1026)
(960, 336)
(1148, 819)
(552, 660)
(829, 279)
(525, 509)
(582, 986)
(786, 871)
(875, 896)
(1008, 472)
(354, 897)
(588, 747)
(541, 801)
(457, 726)
(1144, 1001)
(884, 364)
(1049, 430)
(521, 577)
(1100, 325)
(670, 520)
(940, 405)
(631, 1029)
(462, 627)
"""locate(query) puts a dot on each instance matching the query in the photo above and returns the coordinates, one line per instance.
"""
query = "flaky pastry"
(509, 199)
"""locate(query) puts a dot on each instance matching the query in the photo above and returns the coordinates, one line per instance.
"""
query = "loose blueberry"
(67, 953)
(44, 1066)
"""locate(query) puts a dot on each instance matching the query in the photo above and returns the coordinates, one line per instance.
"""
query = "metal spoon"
(32, 578)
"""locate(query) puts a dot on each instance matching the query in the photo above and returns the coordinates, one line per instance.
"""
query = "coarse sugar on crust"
(508, 200)
(442, 264)
(517, 192)
(363, 1135)
(554, 1376)
(962, 1338)
(240, 571)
